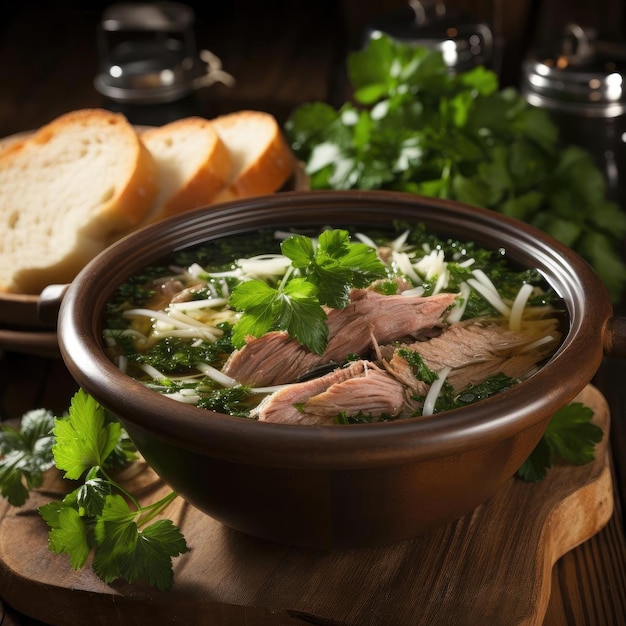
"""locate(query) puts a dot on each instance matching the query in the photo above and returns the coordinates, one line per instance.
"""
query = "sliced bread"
(68, 191)
(261, 159)
(193, 164)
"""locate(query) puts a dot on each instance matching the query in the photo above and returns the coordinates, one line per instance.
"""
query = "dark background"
(53, 44)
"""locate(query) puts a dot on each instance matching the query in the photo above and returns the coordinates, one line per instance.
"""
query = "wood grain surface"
(494, 566)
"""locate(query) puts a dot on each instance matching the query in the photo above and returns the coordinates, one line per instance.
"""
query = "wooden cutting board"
(491, 567)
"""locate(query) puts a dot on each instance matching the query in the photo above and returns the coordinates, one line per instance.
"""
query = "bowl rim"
(568, 371)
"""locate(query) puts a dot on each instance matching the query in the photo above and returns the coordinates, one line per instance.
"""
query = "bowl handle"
(614, 337)
(49, 303)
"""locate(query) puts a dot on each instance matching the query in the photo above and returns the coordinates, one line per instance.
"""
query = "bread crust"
(60, 205)
(191, 184)
(268, 162)
(68, 205)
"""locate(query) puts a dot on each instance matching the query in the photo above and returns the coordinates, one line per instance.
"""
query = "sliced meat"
(371, 315)
(368, 319)
(516, 366)
(375, 393)
(403, 373)
(283, 405)
(475, 351)
(272, 359)
(360, 387)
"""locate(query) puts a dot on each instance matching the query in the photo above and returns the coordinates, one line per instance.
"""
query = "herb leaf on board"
(571, 437)
(100, 516)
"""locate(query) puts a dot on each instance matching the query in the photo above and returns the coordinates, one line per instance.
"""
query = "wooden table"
(47, 64)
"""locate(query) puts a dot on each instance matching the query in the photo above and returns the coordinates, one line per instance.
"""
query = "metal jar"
(582, 85)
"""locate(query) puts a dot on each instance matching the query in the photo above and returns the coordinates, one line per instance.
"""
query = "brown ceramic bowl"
(325, 486)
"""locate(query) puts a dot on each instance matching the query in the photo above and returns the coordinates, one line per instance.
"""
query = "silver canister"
(148, 54)
(463, 41)
(582, 85)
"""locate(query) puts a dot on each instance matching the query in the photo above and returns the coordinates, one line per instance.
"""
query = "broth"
(333, 327)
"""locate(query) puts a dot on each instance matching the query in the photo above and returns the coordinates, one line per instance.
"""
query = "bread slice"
(261, 159)
(66, 192)
(193, 163)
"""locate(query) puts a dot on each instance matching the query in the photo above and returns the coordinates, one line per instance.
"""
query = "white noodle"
(366, 240)
(402, 260)
(189, 333)
(184, 328)
(456, 313)
(216, 375)
(271, 389)
(493, 297)
(485, 280)
(399, 242)
(435, 390)
(416, 291)
(122, 363)
(519, 304)
(184, 398)
(265, 265)
(537, 343)
(189, 305)
(153, 372)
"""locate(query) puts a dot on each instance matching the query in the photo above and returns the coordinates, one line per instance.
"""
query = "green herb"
(420, 370)
(571, 437)
(293, 307)
(415, 127)
(175, 354)
(323, 274)
(485, 389)
(99, 515)
(25, 454)
(232, 400)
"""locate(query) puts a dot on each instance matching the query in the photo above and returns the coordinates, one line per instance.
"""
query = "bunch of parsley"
(415, 127)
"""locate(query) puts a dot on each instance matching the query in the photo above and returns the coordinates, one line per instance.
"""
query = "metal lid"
(464, 42)
(584, 76)
(148, 54)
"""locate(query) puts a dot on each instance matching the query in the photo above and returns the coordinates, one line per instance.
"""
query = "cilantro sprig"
(99, 516)
(322, 273)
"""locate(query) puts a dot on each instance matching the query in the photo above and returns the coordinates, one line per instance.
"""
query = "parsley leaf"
(571, 436)
(294, 308)
(68, 534)
(323, 274)
(536, 466)
(335, 265)
(83, 440)
(123, 550)
(100, 516)
(25, 454)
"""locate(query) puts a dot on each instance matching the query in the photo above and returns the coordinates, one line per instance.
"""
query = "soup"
(333, 327)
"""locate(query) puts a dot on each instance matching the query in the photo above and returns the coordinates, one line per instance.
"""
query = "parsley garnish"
(99, 516)
(25, 455)
(570, 436)
(322, 274)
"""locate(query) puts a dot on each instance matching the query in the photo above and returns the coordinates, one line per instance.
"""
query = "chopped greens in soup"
(334, 327)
